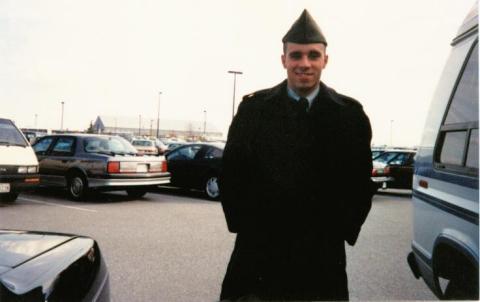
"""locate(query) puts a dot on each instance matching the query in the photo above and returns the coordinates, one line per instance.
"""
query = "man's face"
(304, 64)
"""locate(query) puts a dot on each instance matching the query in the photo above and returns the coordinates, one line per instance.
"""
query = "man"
(296, 181)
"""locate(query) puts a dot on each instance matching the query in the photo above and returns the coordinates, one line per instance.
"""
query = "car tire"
(136, 193)
(212, 189)
(8, 197)
(77, 187)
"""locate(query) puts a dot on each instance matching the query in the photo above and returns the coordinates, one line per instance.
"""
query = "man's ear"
(326, 60)
(283, 61)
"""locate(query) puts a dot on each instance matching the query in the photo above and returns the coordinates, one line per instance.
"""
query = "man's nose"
(304, 61)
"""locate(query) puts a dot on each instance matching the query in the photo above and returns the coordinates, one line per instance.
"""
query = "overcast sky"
(113, 57)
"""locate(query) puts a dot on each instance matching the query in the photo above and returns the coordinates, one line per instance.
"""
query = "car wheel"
(136, 193)
(8, 197)
(211, 187)
(77, 187)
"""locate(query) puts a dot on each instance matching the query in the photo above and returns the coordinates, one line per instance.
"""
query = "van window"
(10, 135)
(464, 106)
(457, 146)
(472, 154)
(453, 145)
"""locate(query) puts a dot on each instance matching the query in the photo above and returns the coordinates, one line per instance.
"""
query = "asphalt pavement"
(173, 245)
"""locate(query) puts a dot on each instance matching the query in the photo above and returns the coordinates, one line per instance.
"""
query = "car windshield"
(10, 135)
(114, 145)
(376, 153)
(143, 143)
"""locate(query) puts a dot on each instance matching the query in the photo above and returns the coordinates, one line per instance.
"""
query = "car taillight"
(164, 166)
(113, 167)
(386, 170)
(381, 171)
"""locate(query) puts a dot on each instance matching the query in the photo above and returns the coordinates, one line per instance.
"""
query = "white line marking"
(56, 204)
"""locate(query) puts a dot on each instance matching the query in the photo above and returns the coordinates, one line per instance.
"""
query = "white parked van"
(18, 163)
(445, 184)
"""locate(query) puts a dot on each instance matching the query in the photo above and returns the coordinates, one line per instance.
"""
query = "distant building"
(168, 128)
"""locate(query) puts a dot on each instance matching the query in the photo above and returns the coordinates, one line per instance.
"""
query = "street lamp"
(158, 114)
(139, 125)
(391, 133)
(204, 124)
(234, 84)
(61, 123)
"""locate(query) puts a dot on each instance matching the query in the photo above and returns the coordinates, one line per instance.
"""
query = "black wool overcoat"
(294, 186)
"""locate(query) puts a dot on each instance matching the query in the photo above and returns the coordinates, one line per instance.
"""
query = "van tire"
(77, 187)
(462, 288)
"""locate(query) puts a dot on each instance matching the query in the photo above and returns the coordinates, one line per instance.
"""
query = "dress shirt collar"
(309, 97)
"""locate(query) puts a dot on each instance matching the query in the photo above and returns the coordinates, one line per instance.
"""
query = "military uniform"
(295, 185)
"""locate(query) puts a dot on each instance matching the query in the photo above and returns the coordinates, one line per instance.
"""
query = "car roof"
(401, 150)
(213, 144)
(82, 135)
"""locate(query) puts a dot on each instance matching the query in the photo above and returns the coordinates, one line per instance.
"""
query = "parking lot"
(173, 245)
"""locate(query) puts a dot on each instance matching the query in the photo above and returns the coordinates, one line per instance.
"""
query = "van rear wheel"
(463, 288)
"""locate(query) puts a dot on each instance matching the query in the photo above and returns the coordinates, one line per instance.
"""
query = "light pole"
(234, 85)
(139, 125)
(61, 123)
(391, 133)
(158, 114)
(204, 124)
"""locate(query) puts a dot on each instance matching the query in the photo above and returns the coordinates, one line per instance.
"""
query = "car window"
(401, 159)
(213, 153)
(464, 106)
(64, 145)
(10, 135)
(386, 157)
(143, 143)
(376, 153)
(185, 153)
(108, 145)
(42, 145)
(472, 153)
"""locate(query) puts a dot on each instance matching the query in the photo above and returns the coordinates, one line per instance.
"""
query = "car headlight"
(22, 170)
(32, 169)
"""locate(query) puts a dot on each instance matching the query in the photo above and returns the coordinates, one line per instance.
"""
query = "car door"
(181, 163)
(401, 168)
(41, 148)
(208, 162)
(60, 158)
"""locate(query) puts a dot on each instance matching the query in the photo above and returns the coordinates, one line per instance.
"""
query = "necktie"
(303, 104)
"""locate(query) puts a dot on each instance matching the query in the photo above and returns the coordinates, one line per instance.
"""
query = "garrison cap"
(305, 31)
